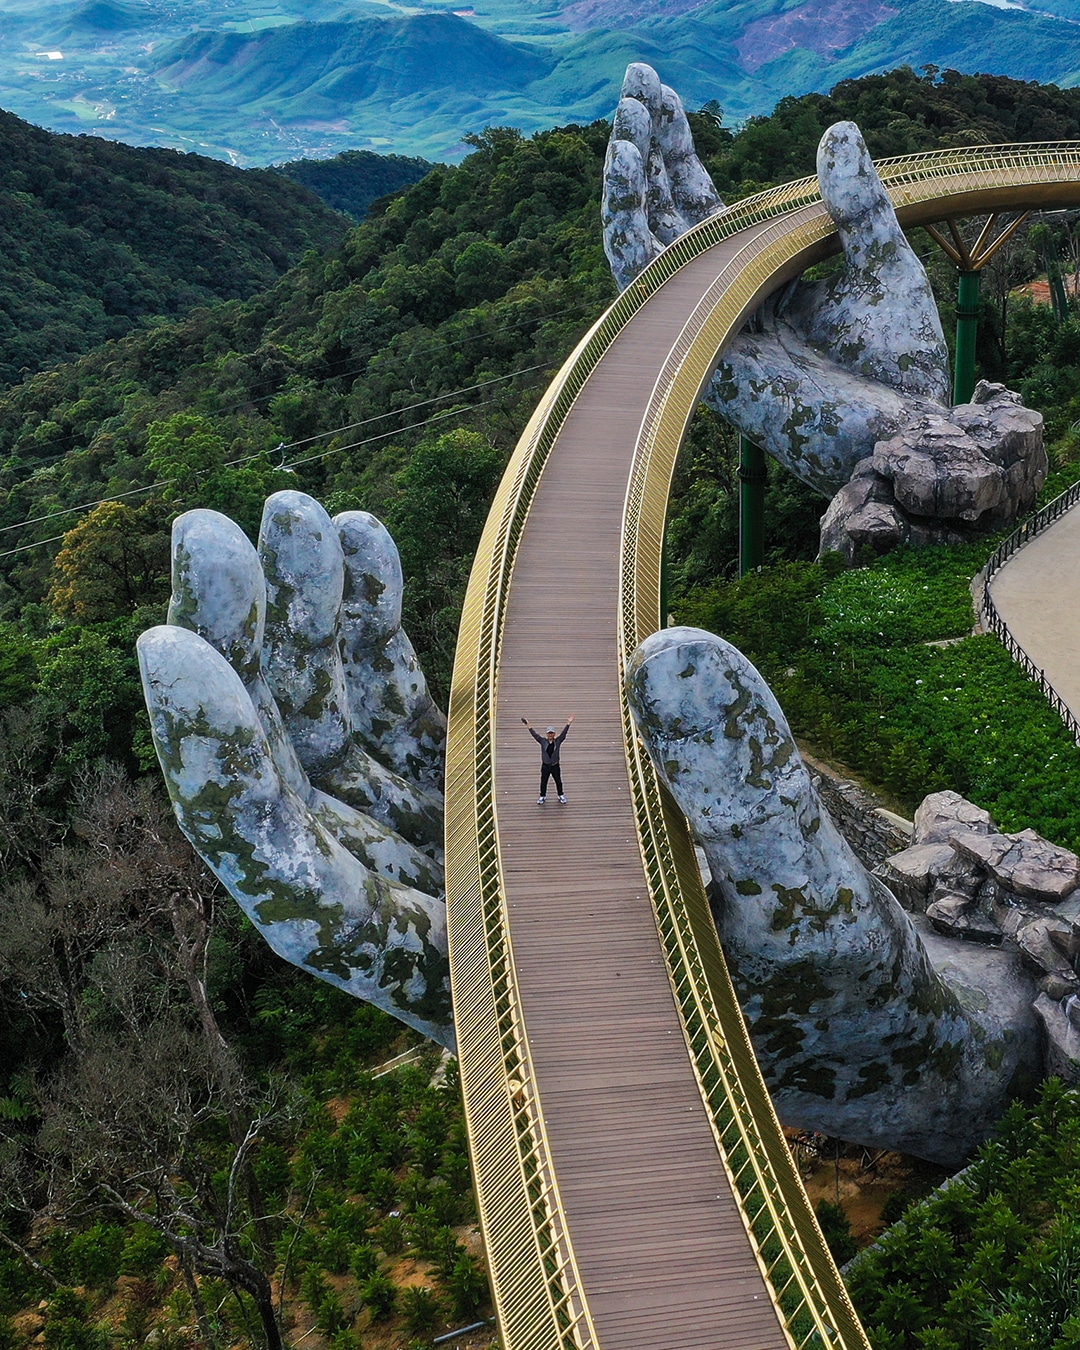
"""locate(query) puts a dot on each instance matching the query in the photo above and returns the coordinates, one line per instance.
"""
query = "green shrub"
(467, 1287)
(273, 1173)
(836, 1229)
(330, 1314)
(143, 1251)
(335, 1249)
(94, 1256)
(391, 1234)
(379, 1293)
(364, 1262)
(313, 1287)
(420, 1308)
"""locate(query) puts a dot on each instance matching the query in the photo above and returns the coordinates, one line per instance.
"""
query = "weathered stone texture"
(835, 980)
(352, 895)
(844, 380)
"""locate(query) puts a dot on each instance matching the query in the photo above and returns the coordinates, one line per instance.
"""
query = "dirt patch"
(860, 1180)
(822, 26)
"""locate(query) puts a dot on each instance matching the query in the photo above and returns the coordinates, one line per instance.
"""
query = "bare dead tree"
(111, 937)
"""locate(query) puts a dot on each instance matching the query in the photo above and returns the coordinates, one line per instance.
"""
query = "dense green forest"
(351, 181)
(190, 1133)
(96, 238)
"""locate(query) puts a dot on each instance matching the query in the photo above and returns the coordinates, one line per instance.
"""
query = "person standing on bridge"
(549, 758)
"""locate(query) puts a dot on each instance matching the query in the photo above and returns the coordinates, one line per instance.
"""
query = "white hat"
(551, 728)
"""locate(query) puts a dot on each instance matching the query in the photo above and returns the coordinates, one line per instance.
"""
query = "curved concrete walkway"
(1037, 593)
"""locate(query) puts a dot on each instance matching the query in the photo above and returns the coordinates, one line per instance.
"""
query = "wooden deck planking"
(660, 1245)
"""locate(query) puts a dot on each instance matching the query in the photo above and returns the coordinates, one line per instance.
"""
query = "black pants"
(550, 771)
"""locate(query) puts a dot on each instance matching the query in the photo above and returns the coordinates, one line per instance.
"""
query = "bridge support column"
(967, 328)
(970, 260)
(752, 479)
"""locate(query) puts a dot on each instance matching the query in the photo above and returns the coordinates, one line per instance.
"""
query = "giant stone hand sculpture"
(274, 667)
(302, 750)
(843, 380)
(866, 1027)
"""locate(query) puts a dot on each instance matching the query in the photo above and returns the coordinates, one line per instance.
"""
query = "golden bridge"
(634, 1185)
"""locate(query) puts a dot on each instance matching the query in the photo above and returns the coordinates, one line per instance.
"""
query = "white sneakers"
(540, 801)
(563, 800)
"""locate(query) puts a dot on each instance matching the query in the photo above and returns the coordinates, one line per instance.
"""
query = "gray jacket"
(549, 754)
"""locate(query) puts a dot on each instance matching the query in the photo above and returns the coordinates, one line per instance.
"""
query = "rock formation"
(830, 373)
(1017, 892)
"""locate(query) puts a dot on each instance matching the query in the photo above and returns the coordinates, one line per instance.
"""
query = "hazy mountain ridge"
(350, 74)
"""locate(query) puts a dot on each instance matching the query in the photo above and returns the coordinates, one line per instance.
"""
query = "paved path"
(1037, 593)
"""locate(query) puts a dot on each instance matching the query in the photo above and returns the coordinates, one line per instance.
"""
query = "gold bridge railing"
(539, 1298)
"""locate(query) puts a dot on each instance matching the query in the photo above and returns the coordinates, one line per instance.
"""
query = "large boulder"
(1025, 863)
(945, 475)
(941, 814)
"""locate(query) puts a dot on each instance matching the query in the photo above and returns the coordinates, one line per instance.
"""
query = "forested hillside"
(97, 237)
(351, 181)
(163, 1076)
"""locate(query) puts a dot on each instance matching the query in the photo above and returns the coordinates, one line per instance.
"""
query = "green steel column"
(752, 477)
(967, 325)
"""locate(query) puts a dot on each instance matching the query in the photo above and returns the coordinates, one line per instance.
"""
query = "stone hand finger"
(655, 187)
(219, 592)
(315, 903)
(391, 710)
(629, 243)
(878, 317)
(304, 567)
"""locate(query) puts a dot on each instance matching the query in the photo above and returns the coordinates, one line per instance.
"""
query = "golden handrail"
(538, 1293)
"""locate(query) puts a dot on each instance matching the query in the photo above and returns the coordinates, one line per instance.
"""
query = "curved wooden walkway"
(659, 1240)
(633, 1182)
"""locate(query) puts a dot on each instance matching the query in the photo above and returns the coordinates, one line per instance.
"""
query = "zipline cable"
(291, 445)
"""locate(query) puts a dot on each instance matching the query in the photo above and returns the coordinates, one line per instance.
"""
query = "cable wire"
(334, 450)
(291, 445)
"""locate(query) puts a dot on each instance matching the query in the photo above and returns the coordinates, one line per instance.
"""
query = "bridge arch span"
(633, 1181)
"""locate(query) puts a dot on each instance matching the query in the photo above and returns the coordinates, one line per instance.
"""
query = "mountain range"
(282, 79)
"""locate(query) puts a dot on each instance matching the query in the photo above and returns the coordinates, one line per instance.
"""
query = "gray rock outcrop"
(940, 479)
(843, 380)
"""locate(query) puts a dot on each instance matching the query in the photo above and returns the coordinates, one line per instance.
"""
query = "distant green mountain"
(324, 68)
(420, 82)
(97, 237)
(270, 80)
(351, 181)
